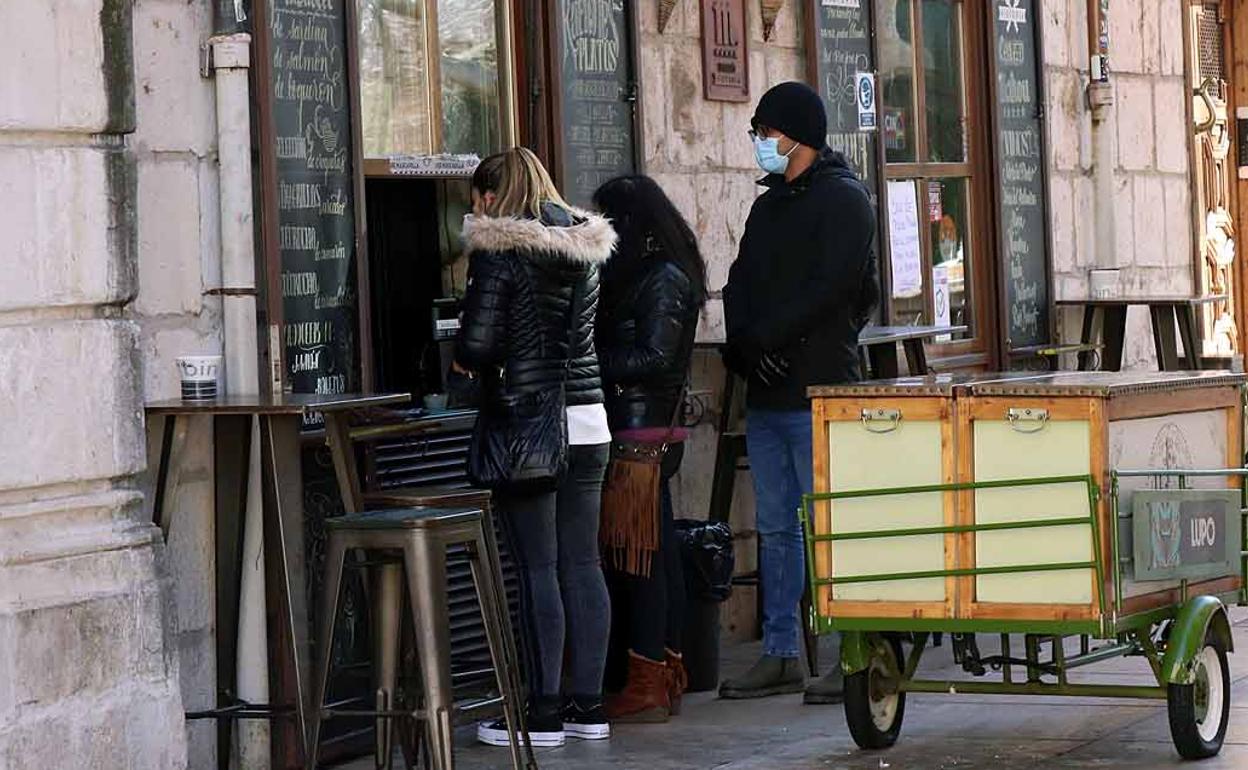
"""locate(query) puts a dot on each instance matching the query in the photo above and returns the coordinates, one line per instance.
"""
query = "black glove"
(772, 369)
(741, 355)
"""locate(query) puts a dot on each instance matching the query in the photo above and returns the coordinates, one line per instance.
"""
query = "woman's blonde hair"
(520, 184)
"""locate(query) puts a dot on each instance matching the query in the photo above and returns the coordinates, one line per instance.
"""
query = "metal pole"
(1036, 688)
(230, 63)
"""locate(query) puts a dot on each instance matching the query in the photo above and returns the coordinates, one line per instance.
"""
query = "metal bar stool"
(388, 583)
(423, 536)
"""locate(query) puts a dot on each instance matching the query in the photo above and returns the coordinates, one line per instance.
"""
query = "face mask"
(767, 153)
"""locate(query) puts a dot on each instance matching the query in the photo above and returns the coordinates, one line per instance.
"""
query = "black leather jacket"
(515, 328)
(646, 327)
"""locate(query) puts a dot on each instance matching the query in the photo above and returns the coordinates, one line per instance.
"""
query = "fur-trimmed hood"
(571, 234)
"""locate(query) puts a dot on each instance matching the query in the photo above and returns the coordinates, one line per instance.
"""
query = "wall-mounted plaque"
(725, 58)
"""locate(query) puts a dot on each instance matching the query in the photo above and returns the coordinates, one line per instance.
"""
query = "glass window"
(948, 216)
(942, 78)
(429, 79)
(930, 177)
(394, 78)
(897, 81)
(469, 62)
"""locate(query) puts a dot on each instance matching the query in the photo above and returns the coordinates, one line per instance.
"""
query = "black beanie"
(797, 111)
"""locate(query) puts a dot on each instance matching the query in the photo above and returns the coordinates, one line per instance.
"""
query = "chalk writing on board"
(842, 52)
(597, 111)
(903, 239)
(1023, 218)
(316, 216)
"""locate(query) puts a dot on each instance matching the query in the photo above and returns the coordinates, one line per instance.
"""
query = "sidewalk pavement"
(940, 731)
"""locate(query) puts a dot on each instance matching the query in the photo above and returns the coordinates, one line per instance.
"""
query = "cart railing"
(1090, 519)
(1181, 476)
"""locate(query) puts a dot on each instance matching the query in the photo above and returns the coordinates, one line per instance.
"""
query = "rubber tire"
(858, 716)
(1181, 702)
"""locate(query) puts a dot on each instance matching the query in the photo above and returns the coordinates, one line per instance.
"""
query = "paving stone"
(941, 732)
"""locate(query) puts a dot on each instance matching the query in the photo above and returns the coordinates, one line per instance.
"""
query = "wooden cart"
(1088, 505)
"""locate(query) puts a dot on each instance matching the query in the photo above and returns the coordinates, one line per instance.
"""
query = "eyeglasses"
(758, 132)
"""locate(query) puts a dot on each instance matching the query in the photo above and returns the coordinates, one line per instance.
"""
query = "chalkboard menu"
(316, 211)
(1020, 155)
(842, 50)
(597, 105)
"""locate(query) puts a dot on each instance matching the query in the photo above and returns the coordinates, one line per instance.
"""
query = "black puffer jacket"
(803, 284)
(645, 333)
(522, 273)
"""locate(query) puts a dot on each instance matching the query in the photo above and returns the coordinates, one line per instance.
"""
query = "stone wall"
(1149, 129)
(174, 147)
(88, 663)
(698, 150)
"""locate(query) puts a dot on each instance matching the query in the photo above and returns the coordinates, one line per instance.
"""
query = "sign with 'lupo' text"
(1186, 533)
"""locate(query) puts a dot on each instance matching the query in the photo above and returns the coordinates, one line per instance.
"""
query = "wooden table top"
(875, 335)
(1161, 299)
(286, 403)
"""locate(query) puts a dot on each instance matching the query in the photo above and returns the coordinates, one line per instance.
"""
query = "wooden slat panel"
(1178, 402)
(921, 417)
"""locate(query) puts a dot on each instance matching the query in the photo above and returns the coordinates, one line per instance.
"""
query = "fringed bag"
(629, 532)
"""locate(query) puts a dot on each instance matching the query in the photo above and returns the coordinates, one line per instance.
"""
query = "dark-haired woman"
(652, 290)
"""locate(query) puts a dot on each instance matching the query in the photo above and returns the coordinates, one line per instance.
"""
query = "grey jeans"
(563, 597)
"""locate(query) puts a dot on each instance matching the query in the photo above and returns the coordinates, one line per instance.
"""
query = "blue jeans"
(780, 462)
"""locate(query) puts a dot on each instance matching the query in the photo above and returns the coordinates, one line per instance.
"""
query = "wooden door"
(1213, 172)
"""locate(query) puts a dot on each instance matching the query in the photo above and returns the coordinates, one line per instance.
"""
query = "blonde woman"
(528, 332)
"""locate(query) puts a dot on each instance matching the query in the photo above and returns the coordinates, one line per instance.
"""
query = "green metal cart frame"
(1173, 639)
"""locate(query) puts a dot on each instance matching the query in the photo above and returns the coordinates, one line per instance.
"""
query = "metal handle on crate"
(881, 420)
(1027, 419)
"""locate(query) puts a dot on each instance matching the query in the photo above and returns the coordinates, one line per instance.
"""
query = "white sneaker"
(543, 736)
(587, 724)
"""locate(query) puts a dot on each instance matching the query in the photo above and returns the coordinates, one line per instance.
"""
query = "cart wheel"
(1199, 711)
(874, 705)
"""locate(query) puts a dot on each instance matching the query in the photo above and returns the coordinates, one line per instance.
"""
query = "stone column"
(88, 674)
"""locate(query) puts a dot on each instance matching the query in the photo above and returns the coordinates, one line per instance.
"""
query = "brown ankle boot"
(677, 679)
(645, 695)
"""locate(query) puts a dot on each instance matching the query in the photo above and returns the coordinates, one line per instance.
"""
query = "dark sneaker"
(544, 732)
(586, 719)
(769, 676)
(829, 689)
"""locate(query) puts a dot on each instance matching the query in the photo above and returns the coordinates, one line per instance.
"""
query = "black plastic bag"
(707, 554)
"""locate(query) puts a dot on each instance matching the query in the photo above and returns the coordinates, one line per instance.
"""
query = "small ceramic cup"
(200, 376)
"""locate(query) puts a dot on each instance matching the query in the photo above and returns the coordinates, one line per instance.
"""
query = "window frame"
(507, 60)
(981, 347)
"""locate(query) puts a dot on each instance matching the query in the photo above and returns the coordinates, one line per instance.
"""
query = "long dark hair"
(646, 220)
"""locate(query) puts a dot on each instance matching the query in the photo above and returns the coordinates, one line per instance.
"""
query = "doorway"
(1213, 172)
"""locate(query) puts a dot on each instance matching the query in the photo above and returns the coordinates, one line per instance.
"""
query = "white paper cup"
(1103, 283)
(200, 376)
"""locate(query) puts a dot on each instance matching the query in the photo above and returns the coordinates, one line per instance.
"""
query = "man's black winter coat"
(803, 284)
